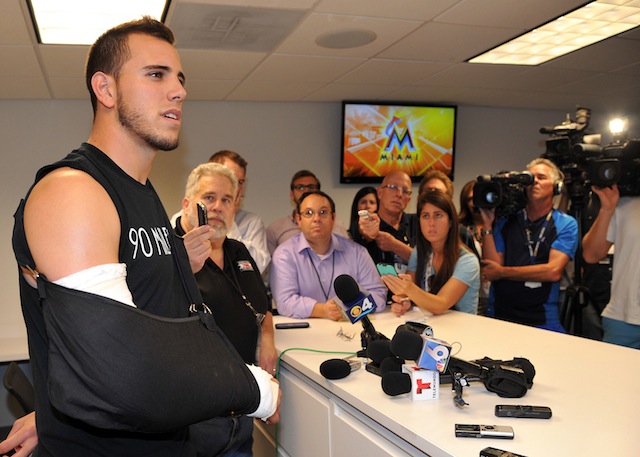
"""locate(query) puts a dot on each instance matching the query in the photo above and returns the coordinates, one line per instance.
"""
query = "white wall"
(277, 139)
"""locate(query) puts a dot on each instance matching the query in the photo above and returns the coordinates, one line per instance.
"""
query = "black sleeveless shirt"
(156, 286)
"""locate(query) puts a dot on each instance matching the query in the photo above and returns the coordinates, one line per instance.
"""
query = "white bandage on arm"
(268, 393)
(107, 280)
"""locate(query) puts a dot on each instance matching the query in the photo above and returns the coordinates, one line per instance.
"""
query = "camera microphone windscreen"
(396, 383)
(407, 345)
(338, 368)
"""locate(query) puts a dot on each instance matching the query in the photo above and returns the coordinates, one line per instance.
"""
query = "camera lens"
(492, 197)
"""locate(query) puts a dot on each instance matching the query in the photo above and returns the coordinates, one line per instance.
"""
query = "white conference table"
(591, 387)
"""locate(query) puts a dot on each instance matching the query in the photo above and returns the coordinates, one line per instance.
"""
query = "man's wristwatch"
(485, 232)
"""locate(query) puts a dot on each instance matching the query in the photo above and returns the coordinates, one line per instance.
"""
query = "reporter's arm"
(595, 245)
(489, 249)
(544, 272)
(446, 298)
(387, 242)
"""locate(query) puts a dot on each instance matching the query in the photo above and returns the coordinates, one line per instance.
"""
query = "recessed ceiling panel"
(200, 26)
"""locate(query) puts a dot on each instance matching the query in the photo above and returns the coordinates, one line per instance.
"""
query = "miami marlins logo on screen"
(398, 136)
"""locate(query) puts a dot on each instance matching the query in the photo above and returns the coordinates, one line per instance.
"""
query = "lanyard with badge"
(533, 251)
(236, 285)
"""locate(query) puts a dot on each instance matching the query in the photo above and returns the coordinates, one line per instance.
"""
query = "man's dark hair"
(220, 156)
(304, 174)
(321, 194)
(111, 50)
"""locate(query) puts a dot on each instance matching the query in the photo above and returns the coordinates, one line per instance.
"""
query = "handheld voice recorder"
(203, 218)
(484, 431)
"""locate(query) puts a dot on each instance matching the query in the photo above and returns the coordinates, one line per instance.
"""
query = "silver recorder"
(484, 431)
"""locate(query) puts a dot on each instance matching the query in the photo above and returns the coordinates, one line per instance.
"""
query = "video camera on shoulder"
(619, 164)
(504, 191)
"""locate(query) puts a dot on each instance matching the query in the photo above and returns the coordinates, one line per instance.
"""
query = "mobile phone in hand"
(386, 269)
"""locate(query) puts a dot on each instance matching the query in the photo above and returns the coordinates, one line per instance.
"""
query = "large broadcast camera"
(619, 164)
(570, 147)
(585, 163)
(505, 191)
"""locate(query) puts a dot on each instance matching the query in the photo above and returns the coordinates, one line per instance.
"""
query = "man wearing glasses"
(390, 235)
(231, 285)
(304, 267)
(284, 228)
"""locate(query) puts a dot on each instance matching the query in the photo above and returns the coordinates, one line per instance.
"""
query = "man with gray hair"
(230, 283)
(525, 254)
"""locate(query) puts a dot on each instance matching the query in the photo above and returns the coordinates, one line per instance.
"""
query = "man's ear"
(103, 87)
(185, 204)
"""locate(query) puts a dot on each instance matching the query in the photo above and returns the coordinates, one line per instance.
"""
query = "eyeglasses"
(308, 214)
(403, 190)
(307, 187)
(345, 336)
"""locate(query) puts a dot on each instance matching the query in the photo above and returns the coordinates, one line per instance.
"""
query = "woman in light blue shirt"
(443, 273)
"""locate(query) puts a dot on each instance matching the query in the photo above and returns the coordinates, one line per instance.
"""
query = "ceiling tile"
(388, 31)
(438, 42)
(273, 91)
(483, 13)
(23, 88)
(282, 67)
(14, 28)
(69, 88)
(387, 71)
(472, 75)
(600, 56)
(63, 61)
(338, 91)
(203, 64)
(18, 61)
(209, 89)
(396, 9)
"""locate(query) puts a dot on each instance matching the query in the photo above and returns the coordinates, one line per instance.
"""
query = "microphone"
(391, 363)
(379, 350)
(338, 368)
(426, 351)
(395, 383)
(407, 345)
(357, 304)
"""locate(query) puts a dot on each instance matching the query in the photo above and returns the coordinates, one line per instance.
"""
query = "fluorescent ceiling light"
(83, 21)
(593, 22)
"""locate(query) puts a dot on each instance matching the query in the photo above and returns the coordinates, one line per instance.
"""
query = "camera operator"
(525, 254)
(617, 223)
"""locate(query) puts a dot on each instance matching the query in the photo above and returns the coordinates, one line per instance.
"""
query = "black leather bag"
(116, 367)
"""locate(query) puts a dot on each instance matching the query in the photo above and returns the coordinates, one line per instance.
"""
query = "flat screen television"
(380, 137)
